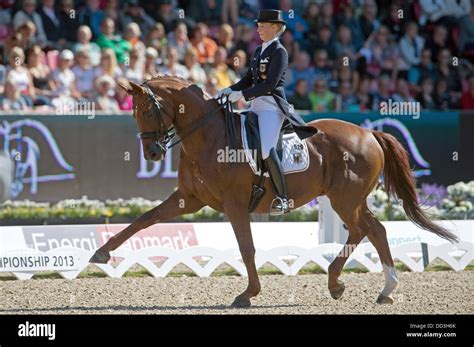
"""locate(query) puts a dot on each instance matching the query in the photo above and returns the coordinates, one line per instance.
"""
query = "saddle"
(293, 153)
(252, 132)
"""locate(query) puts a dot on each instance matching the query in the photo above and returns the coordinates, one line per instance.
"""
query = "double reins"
(171, 133)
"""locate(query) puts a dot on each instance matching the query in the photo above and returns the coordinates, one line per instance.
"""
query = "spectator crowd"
(344, 56)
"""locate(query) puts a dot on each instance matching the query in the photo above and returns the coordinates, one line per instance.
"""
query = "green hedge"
(456, 204)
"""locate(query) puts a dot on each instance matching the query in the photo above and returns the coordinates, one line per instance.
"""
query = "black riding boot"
(280, 202)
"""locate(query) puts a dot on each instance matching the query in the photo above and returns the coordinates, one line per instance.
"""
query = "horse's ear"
(126, 87)
(136, 89)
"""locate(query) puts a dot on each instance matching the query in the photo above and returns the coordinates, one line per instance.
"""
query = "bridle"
(161, 136)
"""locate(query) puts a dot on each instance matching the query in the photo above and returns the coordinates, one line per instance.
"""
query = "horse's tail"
(399, 180)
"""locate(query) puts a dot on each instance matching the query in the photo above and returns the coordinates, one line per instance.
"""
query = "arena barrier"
(203, 247)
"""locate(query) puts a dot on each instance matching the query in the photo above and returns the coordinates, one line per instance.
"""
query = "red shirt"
(467, 100)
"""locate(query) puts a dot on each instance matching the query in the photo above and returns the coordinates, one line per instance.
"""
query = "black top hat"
(270, 16)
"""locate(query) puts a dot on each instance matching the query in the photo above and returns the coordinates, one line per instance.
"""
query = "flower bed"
(454, 202)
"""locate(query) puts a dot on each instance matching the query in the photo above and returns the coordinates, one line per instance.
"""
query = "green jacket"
(120, 46)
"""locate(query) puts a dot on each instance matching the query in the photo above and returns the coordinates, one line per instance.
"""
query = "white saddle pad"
(295, 152)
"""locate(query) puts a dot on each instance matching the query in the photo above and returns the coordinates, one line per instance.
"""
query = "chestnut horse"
(345, 165)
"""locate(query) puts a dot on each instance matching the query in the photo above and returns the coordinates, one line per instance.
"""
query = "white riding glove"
(225, 91)
(234, 96)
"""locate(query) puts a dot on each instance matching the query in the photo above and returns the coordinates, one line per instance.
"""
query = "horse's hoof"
(240, 302)
(382, 299)
(100, 257)
(337, 292)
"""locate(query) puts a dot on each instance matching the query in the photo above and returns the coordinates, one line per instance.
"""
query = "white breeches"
(270, 123)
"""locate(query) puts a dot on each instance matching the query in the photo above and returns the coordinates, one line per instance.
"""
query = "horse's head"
(154, 120)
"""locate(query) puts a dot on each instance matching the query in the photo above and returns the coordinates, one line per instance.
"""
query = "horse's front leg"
(239, 217)
(176, 205)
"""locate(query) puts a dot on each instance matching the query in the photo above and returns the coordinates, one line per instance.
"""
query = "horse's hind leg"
(378, 236)
(352, 217)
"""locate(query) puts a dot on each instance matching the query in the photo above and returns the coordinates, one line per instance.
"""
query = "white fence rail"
(203, 261)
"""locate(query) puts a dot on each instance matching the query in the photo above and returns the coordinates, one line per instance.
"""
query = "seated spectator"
(92, 16)
(368, 18)
(383, 93)
(5, 24)
(300, 69)
(132, 35)
(437, 42)
(27, 31)
(124, 100)
(172, 67)
(300, 99)
(107, 39)
(446, 71)
(311, 16)
(134, 13)
(84, 74)
(344, 46)
(245, 40)
(104, 99)
(344, 74)
(425, 97)
(196, 73)
(156, 38)
(296, 23)
(12, 100)
(230, 12)
(467, 33)
(219, 69)
(134, 70)
(425, 69)
(51, 23)
(402, 92)
(178, 39)
(441, 95)
(108, 65)
(112, 10)
(322, 99)
(239, 63)
(151, 57)
(384, 53)
(411, 45)
(63, 81)
(19, 75)
(467, 99)
(84, 36)
(393, 21)
(292, 46)
(41, 75)
(325, 42)
(363, 95)
(443, 12)
(28, 13)
(322, 68)
(204, 46)
(225, 38)
(165, 15)
(70, 23)
(347, 17)
(345, 100)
